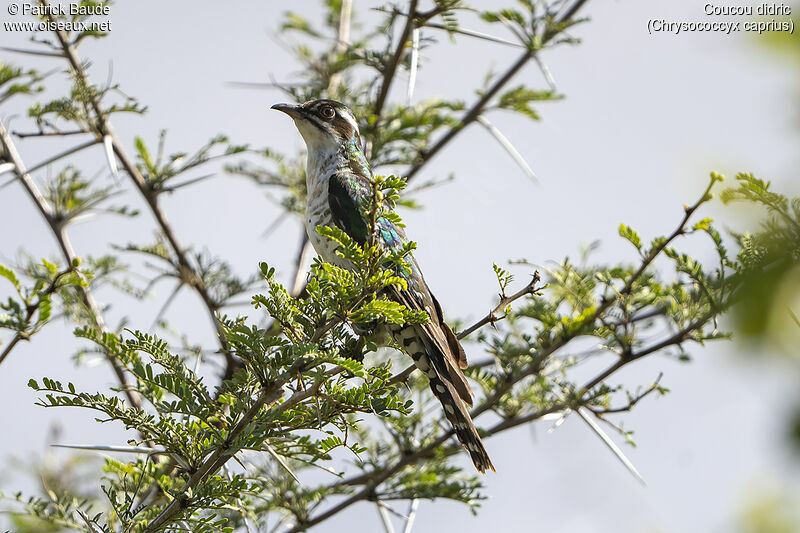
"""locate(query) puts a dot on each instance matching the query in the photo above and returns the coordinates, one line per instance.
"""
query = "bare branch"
(51, 160)
(491, 317)
(390, 69)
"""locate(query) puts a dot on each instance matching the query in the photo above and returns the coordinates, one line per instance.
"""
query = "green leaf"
(10, 276)
(628, 233)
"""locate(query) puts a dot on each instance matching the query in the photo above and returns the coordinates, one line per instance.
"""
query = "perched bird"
(338, 179)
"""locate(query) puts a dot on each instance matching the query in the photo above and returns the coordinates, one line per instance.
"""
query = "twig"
(478, 107)
(491, 317)
(30, 52)
(106, 131)
(23, 135)
(31, 310)
(390, 68)
(66, 251)
(631, 402)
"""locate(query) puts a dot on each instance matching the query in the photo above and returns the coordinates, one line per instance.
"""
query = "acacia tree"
(305, 389)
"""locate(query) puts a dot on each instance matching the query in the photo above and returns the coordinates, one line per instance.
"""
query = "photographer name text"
(55, 17)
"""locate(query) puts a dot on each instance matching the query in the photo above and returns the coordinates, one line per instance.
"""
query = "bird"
(339, 187)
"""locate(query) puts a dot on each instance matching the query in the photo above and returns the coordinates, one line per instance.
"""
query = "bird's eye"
(327, 112)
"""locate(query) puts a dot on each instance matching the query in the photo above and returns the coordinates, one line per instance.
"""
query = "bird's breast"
(318, 213)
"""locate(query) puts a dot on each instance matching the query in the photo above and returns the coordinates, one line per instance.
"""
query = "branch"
(479, 106)
(490, 318)
(631, 401)
(215, 461)
(31, 310)
(67, 252)
(391, 67)
(23, 135)
(105, 130)
(505, 301)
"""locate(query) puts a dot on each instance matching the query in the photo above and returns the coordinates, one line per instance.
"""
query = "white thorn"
(611, 445)
(412, 514)
(278, 458)
(505, 143)
(561, 417)
(119, 449)
(548, 76)
(108, 143)
(412, 67)
(387, 521)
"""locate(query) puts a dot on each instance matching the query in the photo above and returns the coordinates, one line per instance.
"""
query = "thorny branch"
(480, 105)
(490, 318)
(31, 310)
(104, 129)
(371, 480)
(505, 301)
(64, 244)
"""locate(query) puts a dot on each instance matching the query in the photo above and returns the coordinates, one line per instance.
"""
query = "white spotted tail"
(454, 399)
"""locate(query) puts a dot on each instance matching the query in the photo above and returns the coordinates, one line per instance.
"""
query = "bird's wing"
(347, 194)
(418, 297)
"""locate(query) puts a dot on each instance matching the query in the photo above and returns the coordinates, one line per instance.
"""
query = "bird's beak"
(292, 110)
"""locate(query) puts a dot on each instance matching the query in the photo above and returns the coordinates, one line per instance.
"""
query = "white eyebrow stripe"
(351, 120)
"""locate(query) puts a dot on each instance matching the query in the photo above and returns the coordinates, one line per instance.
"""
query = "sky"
(645, 119)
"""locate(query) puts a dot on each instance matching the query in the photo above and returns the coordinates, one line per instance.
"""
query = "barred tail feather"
(457, 415)
(435, 368)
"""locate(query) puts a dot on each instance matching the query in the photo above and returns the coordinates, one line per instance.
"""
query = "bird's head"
(325, 125)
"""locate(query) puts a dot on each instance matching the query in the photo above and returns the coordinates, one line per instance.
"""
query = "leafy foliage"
(769, 256)
(31, 308)
(310, 406)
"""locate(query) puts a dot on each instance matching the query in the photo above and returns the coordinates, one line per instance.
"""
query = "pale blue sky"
(645, 119)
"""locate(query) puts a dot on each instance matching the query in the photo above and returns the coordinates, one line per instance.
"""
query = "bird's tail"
(458, 416)
(454, 409)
